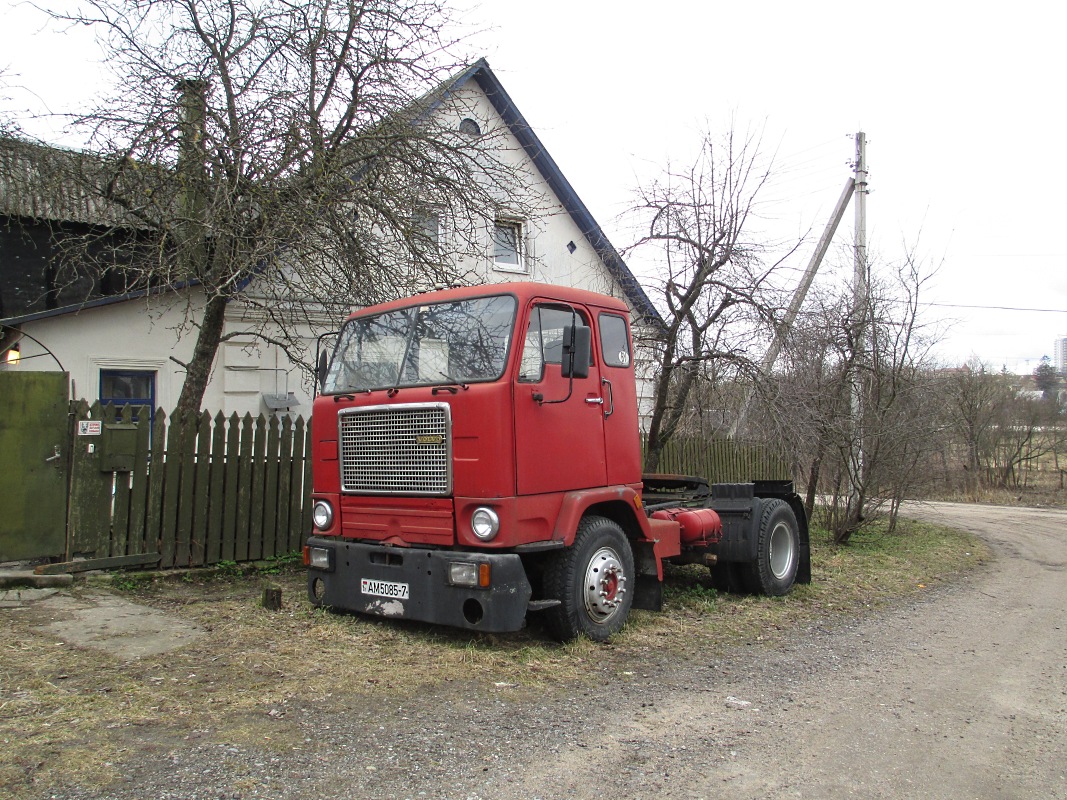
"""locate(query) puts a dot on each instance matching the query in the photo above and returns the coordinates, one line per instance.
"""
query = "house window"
(470, 128)
(508, 247)
(426, 225)
(126, 387)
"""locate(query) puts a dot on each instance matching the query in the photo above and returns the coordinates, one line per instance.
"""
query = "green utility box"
(118, 446)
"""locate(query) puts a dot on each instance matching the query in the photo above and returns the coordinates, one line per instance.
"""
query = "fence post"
(285, 478)
(270, 490)
(299, 491)
(255, 528)
(217, 475)
(230, 496)
(139, 482)
(242, 534)
(200, 476)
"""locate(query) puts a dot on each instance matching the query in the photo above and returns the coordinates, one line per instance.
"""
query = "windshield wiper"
(337, 398)
(395, 388)
(453, 384)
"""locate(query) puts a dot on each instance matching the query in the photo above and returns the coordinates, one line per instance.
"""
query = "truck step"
(541, 605)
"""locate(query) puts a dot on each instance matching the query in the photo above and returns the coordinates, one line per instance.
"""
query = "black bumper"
(425, 574)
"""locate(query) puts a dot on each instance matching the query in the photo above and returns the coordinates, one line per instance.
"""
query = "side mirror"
(323, 366)
(577, 350)
(322, 361)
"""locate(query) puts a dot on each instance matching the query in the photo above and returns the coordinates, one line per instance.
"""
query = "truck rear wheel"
(592, 579)
(777, 550)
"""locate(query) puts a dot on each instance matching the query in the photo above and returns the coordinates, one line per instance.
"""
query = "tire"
(777, 550)
(593, 580)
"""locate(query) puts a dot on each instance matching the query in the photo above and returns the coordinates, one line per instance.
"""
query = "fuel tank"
(698, 525)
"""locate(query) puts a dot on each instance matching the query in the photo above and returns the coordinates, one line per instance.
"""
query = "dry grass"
(69, 713)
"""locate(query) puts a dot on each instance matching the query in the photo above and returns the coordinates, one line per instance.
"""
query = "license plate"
(398, 591)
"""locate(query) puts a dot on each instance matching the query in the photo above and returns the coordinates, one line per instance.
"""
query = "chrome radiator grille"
(400, 449)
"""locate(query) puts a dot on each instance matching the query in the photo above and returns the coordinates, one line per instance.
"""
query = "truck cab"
(477, 458)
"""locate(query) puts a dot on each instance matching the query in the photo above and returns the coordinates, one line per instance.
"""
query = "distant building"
(1060, 349)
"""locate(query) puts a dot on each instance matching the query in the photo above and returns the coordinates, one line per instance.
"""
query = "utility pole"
(860, 276)
(859, 327)
(783, 327)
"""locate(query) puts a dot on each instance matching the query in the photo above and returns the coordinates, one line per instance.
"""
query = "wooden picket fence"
(148, 490)
(722, 460)
(187, 492)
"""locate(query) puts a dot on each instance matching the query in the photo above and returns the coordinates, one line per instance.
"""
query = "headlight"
(322, 515)
(467, 573)
(318, 558)
(485, 523)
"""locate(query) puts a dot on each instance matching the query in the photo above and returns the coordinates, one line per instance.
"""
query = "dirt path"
(960, 695)
(963, 695)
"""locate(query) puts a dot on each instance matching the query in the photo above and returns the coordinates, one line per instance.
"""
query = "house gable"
(560, 243)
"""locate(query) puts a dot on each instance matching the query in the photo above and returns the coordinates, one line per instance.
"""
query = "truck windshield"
(445, 343)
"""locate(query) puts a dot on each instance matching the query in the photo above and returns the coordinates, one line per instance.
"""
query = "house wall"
(550, 229)
(126, 335)
(146, 334)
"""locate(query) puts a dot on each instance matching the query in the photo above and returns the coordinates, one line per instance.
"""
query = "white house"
(126, 347)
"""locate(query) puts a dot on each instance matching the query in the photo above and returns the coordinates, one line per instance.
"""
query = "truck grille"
(399, 449)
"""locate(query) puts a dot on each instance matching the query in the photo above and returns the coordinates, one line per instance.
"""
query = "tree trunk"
(207, 345)
(813, 484)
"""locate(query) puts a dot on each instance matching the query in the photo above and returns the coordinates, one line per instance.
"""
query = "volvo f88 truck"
(477, 460)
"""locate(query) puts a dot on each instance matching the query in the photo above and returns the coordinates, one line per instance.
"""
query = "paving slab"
(125, 629)
(19, 598)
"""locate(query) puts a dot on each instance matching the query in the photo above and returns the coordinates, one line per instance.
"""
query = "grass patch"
(873, 568)
(239, 682)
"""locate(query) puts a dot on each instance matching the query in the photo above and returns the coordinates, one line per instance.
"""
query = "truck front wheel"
(777, 550)
(593, 580)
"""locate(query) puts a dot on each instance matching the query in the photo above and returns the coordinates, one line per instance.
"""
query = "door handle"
(595, 401)
(611, 397)
(55, 455)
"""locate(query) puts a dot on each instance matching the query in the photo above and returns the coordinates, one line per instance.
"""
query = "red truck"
(477, 459)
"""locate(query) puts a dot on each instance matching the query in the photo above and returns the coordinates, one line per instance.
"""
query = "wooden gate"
(33, 464)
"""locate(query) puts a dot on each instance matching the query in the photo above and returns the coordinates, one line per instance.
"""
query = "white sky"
(962, 103)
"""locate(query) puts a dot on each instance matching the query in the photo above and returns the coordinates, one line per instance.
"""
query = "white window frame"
(518, 229)
(158, 366)
(427, 222)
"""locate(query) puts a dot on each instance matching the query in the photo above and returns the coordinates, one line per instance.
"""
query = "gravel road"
(960, 695)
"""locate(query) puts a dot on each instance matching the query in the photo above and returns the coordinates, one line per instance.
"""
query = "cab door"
(559, 422)
(622, 441)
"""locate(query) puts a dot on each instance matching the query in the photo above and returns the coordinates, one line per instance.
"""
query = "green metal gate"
(34, 461)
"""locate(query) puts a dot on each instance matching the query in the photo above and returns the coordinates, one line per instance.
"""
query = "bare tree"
(897, 419)
(296, 145)
(714, 285)
(977, 402)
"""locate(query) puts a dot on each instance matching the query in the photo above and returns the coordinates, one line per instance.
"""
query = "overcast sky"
(962, 104)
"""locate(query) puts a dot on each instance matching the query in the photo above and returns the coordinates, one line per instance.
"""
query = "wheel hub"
(781, 550)
(605, 584)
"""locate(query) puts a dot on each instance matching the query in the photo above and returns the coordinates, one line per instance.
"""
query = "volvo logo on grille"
(429, 438)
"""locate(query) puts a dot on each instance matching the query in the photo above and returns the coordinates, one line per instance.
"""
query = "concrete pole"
(859, 319)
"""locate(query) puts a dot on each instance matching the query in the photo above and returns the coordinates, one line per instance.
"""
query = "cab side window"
(544, 340)
(614, 343)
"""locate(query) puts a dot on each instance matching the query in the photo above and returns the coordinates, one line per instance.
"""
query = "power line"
(996, 308)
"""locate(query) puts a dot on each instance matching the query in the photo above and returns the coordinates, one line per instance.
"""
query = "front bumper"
(424, 573)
